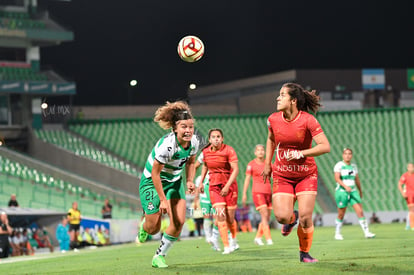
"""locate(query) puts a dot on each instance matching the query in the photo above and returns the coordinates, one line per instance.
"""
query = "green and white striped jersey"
(348, 173)
(170, 153)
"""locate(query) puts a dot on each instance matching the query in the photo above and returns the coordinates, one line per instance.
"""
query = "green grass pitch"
(391, 252)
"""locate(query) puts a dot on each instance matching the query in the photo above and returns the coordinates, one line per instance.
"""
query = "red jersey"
(408, 180)
(296, 134)
(218, 163)
(255, 170)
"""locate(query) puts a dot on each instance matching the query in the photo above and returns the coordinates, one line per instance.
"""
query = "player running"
(220, 160)
(407, 179)
(295, 175)
(210, 220)
(161, 187)
(261, 192)
(347, 180)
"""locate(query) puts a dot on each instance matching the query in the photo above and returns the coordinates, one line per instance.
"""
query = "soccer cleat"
(214, 244)
(233, 244)
(158, 261)
(287, 228)
(258, 241)
(369, 235)
(227, 250)
(306, 258)
(339, 237)
(142, 235)
(269, 242)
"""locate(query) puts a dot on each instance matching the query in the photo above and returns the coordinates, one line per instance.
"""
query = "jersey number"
(149, 195)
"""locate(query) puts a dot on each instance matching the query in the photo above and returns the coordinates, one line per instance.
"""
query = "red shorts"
(297, 186)
(262, 200)
(410, 200)
(230, 200)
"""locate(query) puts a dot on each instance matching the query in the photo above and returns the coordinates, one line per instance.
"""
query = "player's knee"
(178, 224)
(283, 219)
(305, 222)
(153, 230)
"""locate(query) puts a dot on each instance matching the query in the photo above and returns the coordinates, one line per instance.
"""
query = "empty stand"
(81, 147)
(36, 189)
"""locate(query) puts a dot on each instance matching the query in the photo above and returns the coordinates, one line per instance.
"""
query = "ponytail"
(306, 100)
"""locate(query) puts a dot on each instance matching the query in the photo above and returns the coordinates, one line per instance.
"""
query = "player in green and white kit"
(209, 222)
(348, 191)
(161, 188)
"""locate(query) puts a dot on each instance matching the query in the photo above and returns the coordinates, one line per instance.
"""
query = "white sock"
(207, 228)
(364, 224)
(338, 227)
(216, 233)
(407, 220)
(165, 244)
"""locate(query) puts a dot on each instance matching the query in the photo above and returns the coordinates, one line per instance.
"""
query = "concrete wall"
(101, 112)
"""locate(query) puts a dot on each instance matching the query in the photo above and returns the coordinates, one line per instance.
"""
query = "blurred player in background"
(295, 174)
(220, 160)
(161, 187)
(407, 180)
(210, 220)
(347, 180)
(261, 192)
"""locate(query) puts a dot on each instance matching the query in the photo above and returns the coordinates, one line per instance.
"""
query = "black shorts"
(74, 227)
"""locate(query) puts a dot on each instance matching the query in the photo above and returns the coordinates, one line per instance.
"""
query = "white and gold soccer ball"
(190, 48)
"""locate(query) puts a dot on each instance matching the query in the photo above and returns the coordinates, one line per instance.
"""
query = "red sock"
(266, 232)
(223, 230)
(412, 220)
(259, 233)
(233, 228)
(305, 238)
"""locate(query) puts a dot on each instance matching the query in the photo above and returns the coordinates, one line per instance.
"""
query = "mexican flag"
(410, 78)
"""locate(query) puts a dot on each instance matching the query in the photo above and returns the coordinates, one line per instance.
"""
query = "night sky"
(137, 39)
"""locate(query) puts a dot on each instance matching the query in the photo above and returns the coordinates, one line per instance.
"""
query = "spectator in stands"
(14, 244)
(32, 241)
(107, 236)
(74, 218)
(62, 235)
(5, 232)
(106, 210)
(42, 238)
(100, 239)
(13, 202)
(374, 218)
(317, 220)
(26, 242)
(19, 244)
(86, 237)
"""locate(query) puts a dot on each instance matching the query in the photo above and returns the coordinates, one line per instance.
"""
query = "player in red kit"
(407, 179)
(261, 192)
(295, 175)
(220, 160)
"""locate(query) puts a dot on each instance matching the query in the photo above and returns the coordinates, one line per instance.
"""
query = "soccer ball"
(190, 48)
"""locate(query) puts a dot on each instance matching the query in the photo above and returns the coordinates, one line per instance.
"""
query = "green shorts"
(206, 208)
(149, 197)
(205, 203)
(344, 198)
